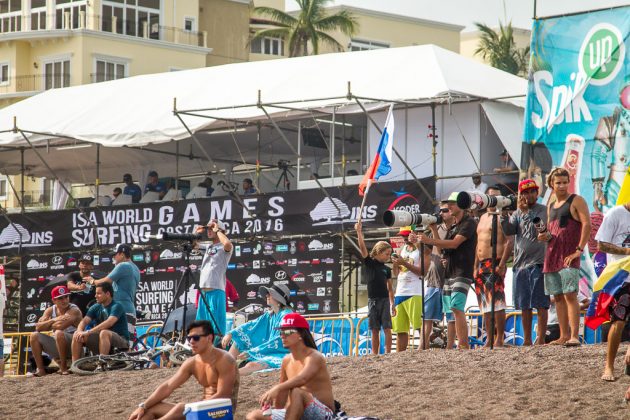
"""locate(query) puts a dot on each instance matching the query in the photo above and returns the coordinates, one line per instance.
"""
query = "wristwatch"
(142, 405)
(578, 248)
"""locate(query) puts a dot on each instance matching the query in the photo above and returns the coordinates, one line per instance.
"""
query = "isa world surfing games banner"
(578, 103)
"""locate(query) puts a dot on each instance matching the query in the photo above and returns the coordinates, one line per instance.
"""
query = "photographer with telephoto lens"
(460, 244)
(528, 284)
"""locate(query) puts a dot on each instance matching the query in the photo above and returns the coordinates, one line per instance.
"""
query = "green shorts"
(456, 300)
(408, 312)
(562, 282)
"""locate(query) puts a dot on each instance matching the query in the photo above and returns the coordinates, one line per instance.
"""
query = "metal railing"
(148, 28)
(34, 83)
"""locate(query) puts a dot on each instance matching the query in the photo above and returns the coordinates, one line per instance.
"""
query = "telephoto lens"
(540, 226)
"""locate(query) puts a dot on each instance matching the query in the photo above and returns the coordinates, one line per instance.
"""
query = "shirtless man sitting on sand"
(305, 389)
(484, 275)
(214, 369)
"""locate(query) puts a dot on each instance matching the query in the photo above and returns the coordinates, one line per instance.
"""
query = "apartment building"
(376, 30)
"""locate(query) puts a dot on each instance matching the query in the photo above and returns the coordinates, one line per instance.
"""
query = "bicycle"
(149, 349)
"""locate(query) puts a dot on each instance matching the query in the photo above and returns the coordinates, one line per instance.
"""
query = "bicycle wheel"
(97, 364)
(151, 340)
(178, 357)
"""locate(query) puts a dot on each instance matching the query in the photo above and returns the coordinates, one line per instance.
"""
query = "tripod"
(185, 281)
(284, 178)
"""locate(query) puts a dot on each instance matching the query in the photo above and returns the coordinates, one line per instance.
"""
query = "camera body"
(468, 200)
(283, 164)
(399, 218)
(539, 225)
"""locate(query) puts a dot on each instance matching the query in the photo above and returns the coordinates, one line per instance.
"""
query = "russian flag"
(610, 281)
(382, 163)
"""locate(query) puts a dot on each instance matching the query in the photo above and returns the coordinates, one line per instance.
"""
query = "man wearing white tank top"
(62, 318)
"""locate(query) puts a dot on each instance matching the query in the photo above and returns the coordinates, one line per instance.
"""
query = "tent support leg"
(22, 169)
(235, 194)
(286, 140)
(54, 175)
(98, 171)
(404, 162)
(176, 168)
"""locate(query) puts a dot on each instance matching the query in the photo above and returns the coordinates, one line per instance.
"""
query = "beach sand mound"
(547, 382)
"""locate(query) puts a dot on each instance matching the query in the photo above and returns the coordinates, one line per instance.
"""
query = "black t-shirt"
(462, 259)
(377, 275)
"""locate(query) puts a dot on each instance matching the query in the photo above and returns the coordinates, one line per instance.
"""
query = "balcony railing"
(34, 82)
(141, 28)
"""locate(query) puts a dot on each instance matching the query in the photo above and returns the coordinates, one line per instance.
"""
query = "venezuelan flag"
(609, 282)
(382, 163)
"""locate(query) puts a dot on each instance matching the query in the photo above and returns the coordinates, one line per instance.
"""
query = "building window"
(68, 14)
(109, 70)
(38, 15)
(10, 15)
(363, 45)
(268, 45)
(189, 24)
(3, 187)
(57, 74)
(4, 73)
(132, 17)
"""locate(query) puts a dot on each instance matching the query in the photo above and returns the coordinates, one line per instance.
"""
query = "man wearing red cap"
(62, 318)
(305, 388)
(529, 256)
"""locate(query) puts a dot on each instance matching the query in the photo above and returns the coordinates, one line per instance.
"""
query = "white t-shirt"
(213, 265)
(408, 283)
(615, 229)
(482, 187)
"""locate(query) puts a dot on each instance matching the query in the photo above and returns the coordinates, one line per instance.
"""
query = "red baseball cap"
(59, 291)
(293, 320)
(527, 184)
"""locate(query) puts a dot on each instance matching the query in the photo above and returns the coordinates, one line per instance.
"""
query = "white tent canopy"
(138, 111)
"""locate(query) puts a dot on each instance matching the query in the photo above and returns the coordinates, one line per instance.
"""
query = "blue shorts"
(216, 303)
(433, 304)
(528, 285)
(1, 347)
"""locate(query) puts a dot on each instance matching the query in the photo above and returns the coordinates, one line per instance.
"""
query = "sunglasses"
(444, 210)
(196, 337)
(287, 332)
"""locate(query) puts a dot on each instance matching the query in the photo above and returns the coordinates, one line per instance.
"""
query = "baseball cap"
(124, 248)
(279, 292)
(527, 184)
(152, 173)
(222, 226)
(86, 258)
(59, 291)
(452, 198)
(293, 320)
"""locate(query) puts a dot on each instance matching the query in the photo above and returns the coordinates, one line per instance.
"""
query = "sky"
(466, 12)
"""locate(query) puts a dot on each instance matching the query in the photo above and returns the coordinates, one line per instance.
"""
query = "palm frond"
(272, 33)
(329, 40)
(343, 21)
(278, 16)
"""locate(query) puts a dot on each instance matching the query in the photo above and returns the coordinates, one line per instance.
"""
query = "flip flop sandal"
(572, 344)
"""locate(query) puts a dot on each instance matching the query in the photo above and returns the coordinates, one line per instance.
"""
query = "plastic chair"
(172, 195)
(197, 192)
(150, 197)
(102, 201)
(122, 200)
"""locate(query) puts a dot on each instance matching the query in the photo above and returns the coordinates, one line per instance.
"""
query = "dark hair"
(493, 187)
(117, 189)
(249, 181)
(203, 324)
(308, 339)
(107, 288)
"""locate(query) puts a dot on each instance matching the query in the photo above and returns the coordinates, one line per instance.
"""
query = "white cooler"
(220, 408)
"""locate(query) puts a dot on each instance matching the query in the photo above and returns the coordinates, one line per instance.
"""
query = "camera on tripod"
(283, 164)
(468, 200)
(399, 218)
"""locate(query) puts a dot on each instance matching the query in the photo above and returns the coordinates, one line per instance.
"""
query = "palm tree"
(499, 49)
(310, 25)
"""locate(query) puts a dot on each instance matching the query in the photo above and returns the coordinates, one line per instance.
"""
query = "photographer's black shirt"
(462, 259)
(377, 275)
